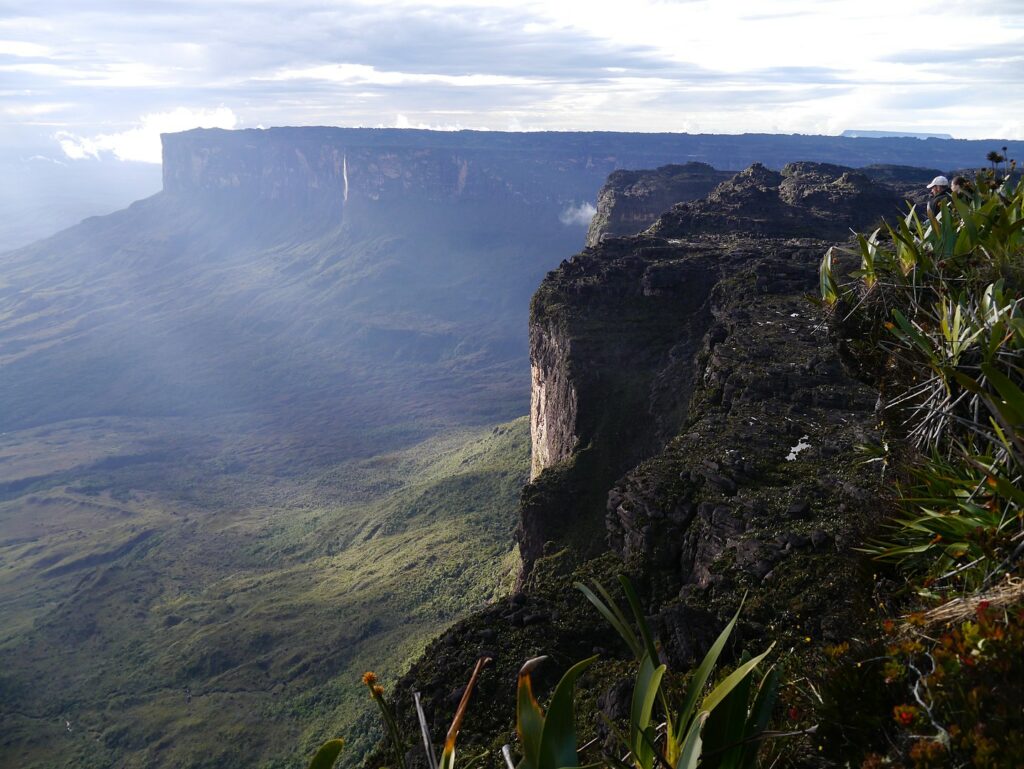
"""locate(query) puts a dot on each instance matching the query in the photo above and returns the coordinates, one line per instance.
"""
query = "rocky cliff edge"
(693, 427)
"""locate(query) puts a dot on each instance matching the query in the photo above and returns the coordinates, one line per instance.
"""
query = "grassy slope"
(248, 454)
(194, 563)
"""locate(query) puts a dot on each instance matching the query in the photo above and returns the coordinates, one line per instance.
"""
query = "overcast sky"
(104, 77)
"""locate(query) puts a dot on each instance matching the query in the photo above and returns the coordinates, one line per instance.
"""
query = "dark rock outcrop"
(813, 200)
(624, 334)
(631, 201)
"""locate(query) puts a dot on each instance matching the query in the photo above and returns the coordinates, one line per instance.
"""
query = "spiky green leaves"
(941, 300)
(548, 739)
(734, 730)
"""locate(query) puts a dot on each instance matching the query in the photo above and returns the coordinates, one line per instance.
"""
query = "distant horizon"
(862, 134)
(881, 133)
(102, 79)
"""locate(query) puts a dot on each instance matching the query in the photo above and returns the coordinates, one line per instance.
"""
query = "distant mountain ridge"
(295, 163)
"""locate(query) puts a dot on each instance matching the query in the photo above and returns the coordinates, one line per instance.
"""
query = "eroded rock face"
(761, 490)
(553, 402)
(815, 200)
(631, 201)
(611, 336)
(638, 339)
(708, 444)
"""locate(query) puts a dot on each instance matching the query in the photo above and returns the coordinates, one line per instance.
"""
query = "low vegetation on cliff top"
(934, 317)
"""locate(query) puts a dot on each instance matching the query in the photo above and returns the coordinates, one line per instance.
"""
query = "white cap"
(938, 181)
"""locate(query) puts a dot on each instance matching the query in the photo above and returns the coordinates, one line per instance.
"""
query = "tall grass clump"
(933, 316)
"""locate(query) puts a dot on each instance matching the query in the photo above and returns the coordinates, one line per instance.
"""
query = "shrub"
(934, 317)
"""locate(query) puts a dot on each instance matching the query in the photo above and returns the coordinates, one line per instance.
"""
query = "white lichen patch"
(800, 446)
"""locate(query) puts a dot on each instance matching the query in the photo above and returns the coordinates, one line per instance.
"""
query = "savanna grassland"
(175, 599)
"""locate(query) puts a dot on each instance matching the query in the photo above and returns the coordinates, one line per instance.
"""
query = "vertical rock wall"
(553, 400)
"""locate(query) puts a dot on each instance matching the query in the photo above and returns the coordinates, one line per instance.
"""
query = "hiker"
(939, 188)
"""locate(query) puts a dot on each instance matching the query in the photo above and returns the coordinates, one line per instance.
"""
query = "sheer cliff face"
(553, 401)
(706, 429)
(601, 303)
(674, 367)
(318, 166)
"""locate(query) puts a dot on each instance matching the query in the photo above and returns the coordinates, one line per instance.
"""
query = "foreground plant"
(390, 723)
(722, 724)
(327, 755)
(934, 316)
(963, 706)
(547, 739)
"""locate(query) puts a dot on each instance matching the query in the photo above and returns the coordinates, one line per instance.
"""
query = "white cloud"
(142, 143)
(363, 74)
(647, 65)
(117, 75)
(24, 49)
(402, 121)
(577, 215)
(34, 110)
(44, 159)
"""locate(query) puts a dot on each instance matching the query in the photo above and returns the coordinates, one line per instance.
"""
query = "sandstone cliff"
(615, 332)
(694, 427)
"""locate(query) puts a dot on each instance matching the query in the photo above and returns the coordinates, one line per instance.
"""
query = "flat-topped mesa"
(309, 164)
(312, 165)
(348, 164)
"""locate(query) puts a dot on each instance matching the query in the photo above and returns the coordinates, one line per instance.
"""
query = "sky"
(87, 79)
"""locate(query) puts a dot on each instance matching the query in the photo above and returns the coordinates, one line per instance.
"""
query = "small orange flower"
(904, 714)
(369, 678)
(377, 691)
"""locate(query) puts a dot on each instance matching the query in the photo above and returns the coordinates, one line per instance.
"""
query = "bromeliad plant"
(721, 727)
(936, 306)
(548, 740)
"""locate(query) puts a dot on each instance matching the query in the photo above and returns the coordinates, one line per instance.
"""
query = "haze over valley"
(264, 429)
